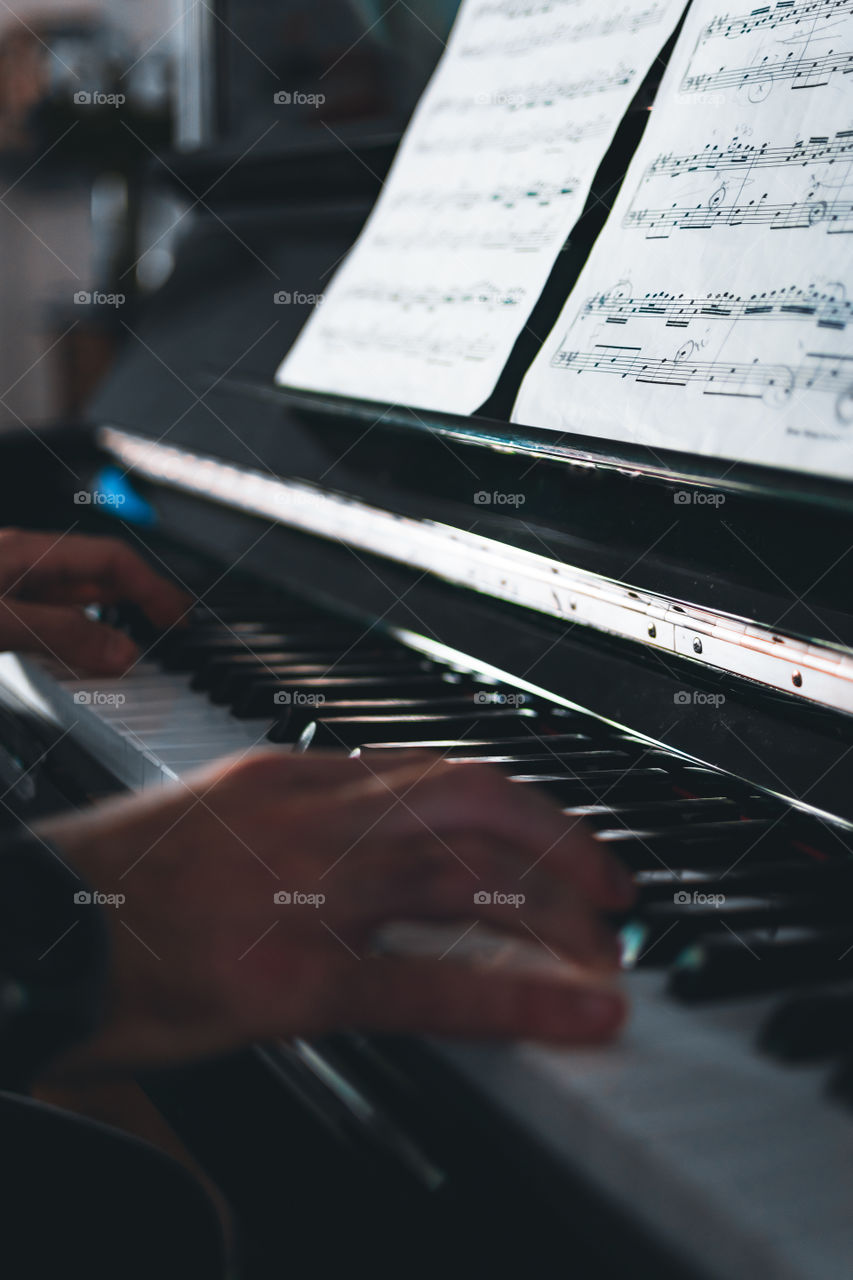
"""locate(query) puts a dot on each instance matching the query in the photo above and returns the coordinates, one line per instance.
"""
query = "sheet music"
(715, 313)
(494, 171)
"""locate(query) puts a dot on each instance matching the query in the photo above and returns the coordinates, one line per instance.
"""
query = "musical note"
(784, 13)
(485, 295)
(836, 216)
(505, 239)
(804, 72)
(739, 155)
(626, 21)
(491, 176)
(422, 344)
(791, 304)
(518, 140)
(538, 94)
(706, 349)
(769, 382)
(538, 193)
(512, 9)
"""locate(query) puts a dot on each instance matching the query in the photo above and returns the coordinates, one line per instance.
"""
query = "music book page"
(493, 172)
(715, 313)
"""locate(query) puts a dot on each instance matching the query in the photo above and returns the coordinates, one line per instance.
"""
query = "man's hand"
(46, 580)
(206, 957)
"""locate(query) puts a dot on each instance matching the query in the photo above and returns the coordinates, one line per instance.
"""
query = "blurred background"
(102, 105)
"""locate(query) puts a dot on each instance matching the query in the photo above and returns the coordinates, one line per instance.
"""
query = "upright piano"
(662, 640)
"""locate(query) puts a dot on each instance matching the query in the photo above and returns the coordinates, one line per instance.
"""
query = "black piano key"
(295, 718)
(392, 731)
(754, 962)
(186, 651)
(658, 813)
(709, 844)
(794, 875)
(596, 786)
(667, 928)
(265, 696)
(809, 1027)
(225, 677)
(549, 764)
(544, 746)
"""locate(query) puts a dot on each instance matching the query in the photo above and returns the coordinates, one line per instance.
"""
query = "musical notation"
(704, 348)
(740, 156)
(625, 21)
(836, 216)
(486, 296)
(791, 304)
(521, 8)
(538, 193)
(539, 94)
(494, 171)
(803, 72)
(419, 344)
(493, 239)
(784, 13)
(774, 383)
(519, 140)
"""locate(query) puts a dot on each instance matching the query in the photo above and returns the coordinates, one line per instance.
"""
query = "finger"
(54, 569)
(442, 798)
(466, 878)
(443, 998)
(84, 647)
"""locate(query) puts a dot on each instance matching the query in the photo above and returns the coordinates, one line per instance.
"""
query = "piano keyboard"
(720, 1119)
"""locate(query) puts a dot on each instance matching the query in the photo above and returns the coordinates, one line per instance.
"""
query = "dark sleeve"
(53, 958)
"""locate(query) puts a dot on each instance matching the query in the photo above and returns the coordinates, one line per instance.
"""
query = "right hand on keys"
(222, 938)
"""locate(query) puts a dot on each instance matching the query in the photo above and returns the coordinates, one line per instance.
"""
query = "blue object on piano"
(121, 499)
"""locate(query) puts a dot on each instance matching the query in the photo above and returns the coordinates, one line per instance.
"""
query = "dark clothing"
(77, 1198)
(82, 1200)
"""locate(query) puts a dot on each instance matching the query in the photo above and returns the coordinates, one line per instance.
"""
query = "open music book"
(714, 314)
(493, 172)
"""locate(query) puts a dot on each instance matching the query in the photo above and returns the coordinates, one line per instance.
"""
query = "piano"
(678, 673)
